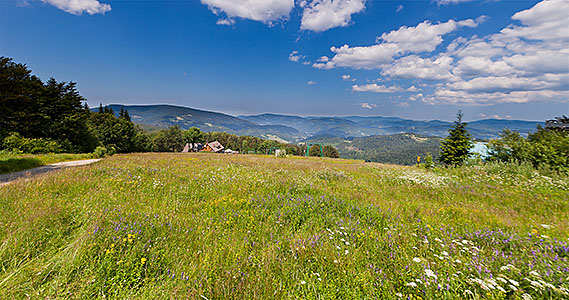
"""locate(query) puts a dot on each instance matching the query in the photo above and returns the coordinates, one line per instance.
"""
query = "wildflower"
(514, 282)
(444, 253)
(534, 273)
(526, 296)
(457, 261)
(302, 282)
(411, 284)
(142, 260)
(399, 295)
(430, 273)
(416, 259)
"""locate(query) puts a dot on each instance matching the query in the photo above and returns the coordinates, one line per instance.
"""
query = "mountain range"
(287, 128)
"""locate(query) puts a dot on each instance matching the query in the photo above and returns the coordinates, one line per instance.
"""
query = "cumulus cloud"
(266, 11)
(367, 105)
(525, 61)
(375, 88)
(78, 7)
(425, 37)
(311, 82)
(415, 67)
(321, 15)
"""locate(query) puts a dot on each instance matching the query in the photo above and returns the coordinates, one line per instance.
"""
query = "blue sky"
(412, 59)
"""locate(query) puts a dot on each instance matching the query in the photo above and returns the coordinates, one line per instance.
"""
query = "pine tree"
(455, 148)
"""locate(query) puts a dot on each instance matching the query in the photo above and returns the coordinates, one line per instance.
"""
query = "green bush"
(545, 149)
(16, 143)
(101, 152)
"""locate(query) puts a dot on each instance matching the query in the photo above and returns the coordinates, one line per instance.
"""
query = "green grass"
(18, 162)
(172, 226)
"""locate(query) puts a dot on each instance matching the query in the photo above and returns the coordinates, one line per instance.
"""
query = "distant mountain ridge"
(296, 128)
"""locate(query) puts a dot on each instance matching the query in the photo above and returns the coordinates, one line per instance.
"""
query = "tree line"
(547, 148)
(52, 117)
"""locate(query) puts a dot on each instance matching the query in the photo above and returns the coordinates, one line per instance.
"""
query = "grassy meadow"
(206, 226)
(17, 162)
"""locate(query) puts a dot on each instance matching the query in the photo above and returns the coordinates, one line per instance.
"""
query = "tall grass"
(18, 162)
(169, 226)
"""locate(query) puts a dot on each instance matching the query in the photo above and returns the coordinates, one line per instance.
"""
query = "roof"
(215, 146)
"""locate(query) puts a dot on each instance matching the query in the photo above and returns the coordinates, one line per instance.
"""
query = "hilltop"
(297, 128)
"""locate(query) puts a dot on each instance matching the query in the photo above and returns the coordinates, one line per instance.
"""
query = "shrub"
(19, 144)
(101, 152)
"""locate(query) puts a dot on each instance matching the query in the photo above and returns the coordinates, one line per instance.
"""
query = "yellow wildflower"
(142, 260)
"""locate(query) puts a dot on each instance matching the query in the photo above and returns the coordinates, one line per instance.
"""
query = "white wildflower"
(399, 295)
(526, 296)
(411, 284)
(416, 259)
(444, 253)
(430, 273)
(457, 261)
(514, 282)
(513, 287)
(546, 226)
(302, 282)
(534, 273)
(346, 252)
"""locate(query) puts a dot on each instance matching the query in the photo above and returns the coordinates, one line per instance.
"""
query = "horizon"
(313, 116)
(417, 60)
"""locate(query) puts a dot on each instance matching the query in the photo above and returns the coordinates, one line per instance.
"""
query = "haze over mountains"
(296, 128)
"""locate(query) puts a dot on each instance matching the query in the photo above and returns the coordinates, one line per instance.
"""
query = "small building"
(215, 147)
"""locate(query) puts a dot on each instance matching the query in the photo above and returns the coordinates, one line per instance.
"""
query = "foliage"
(401, 149)
(10, 162)
(330, 151)
(34, 109)
(315, 150)
(455, 148)
(101, 152)
(169, 140)
(193, 135)
(428, 161)
(545, 148)
(18, 144)
(194, 226)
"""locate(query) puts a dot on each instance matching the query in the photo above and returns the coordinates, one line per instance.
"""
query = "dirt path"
(10, 177)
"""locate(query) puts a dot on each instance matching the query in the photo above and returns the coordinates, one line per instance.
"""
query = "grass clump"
(17, 162)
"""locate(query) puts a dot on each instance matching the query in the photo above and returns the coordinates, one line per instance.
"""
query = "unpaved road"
(8, 178)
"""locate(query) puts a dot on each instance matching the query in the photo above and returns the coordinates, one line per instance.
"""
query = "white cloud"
(228, 22)
(266, 11)
(348, 77)
(425, 37)
(399, 8)
(321, 15)
(446, 2)
(413, 89)
(403, 104)
(413, 66)
(78, 7)
(295, 56)
(367, 105)
(311, 82)
(418, 96)
(373, 87)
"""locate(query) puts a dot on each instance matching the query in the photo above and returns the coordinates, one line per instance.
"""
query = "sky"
(413, 59)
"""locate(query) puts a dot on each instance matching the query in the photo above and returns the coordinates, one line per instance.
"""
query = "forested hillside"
(400, 148)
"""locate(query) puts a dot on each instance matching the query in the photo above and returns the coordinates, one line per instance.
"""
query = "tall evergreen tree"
(455, 148)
